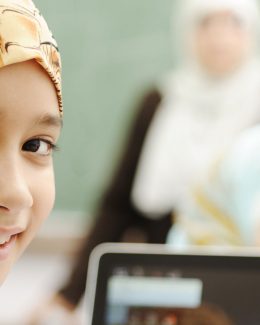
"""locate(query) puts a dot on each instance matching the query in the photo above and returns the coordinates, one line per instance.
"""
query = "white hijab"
(198, 118)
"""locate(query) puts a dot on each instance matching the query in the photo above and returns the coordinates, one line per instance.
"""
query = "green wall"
(112, 52)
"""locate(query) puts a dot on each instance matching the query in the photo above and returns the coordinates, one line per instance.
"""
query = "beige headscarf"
(24, 35)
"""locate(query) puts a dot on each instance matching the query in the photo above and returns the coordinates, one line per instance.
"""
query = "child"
(30, 123)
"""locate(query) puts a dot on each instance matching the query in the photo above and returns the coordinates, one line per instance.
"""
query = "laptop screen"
(168, 289)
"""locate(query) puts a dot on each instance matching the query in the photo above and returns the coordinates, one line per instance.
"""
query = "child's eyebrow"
(50, 120)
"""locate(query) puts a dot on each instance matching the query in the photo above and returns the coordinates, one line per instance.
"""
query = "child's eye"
(39, 146)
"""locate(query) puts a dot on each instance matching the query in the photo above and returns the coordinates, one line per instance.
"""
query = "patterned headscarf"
(24, 35)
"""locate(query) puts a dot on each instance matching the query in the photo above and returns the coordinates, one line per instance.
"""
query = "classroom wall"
(112, 52)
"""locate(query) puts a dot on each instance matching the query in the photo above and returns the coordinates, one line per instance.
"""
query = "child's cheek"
(43, 193)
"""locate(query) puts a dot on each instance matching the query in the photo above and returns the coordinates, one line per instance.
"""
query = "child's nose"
(15, 194)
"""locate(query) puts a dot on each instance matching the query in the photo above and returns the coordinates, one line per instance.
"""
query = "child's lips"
(10, 231)
(6, 248)
(4, 239)
(7, 240)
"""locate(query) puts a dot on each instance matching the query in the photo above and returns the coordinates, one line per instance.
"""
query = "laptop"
(141, 284)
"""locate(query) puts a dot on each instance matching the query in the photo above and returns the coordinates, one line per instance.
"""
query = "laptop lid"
(133, 284)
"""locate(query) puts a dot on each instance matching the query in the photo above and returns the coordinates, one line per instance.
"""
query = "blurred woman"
(182, 130)
(207, 123)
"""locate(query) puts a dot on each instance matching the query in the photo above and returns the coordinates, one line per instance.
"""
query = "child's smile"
(29, 128)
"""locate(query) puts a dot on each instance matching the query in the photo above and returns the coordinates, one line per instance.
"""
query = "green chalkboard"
(112, 51)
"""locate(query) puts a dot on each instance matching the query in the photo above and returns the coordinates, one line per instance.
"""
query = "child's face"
(29, 124)
(222, 43)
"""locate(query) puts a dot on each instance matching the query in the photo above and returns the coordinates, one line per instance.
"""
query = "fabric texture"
(24, 35)
(226, 207)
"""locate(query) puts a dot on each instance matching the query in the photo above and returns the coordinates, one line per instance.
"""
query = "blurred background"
(112, 52)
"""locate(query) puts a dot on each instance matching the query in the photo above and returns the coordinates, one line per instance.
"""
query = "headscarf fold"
(24, 35)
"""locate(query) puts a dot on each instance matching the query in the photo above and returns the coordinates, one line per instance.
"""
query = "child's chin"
(6, 267)
(4, 271)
